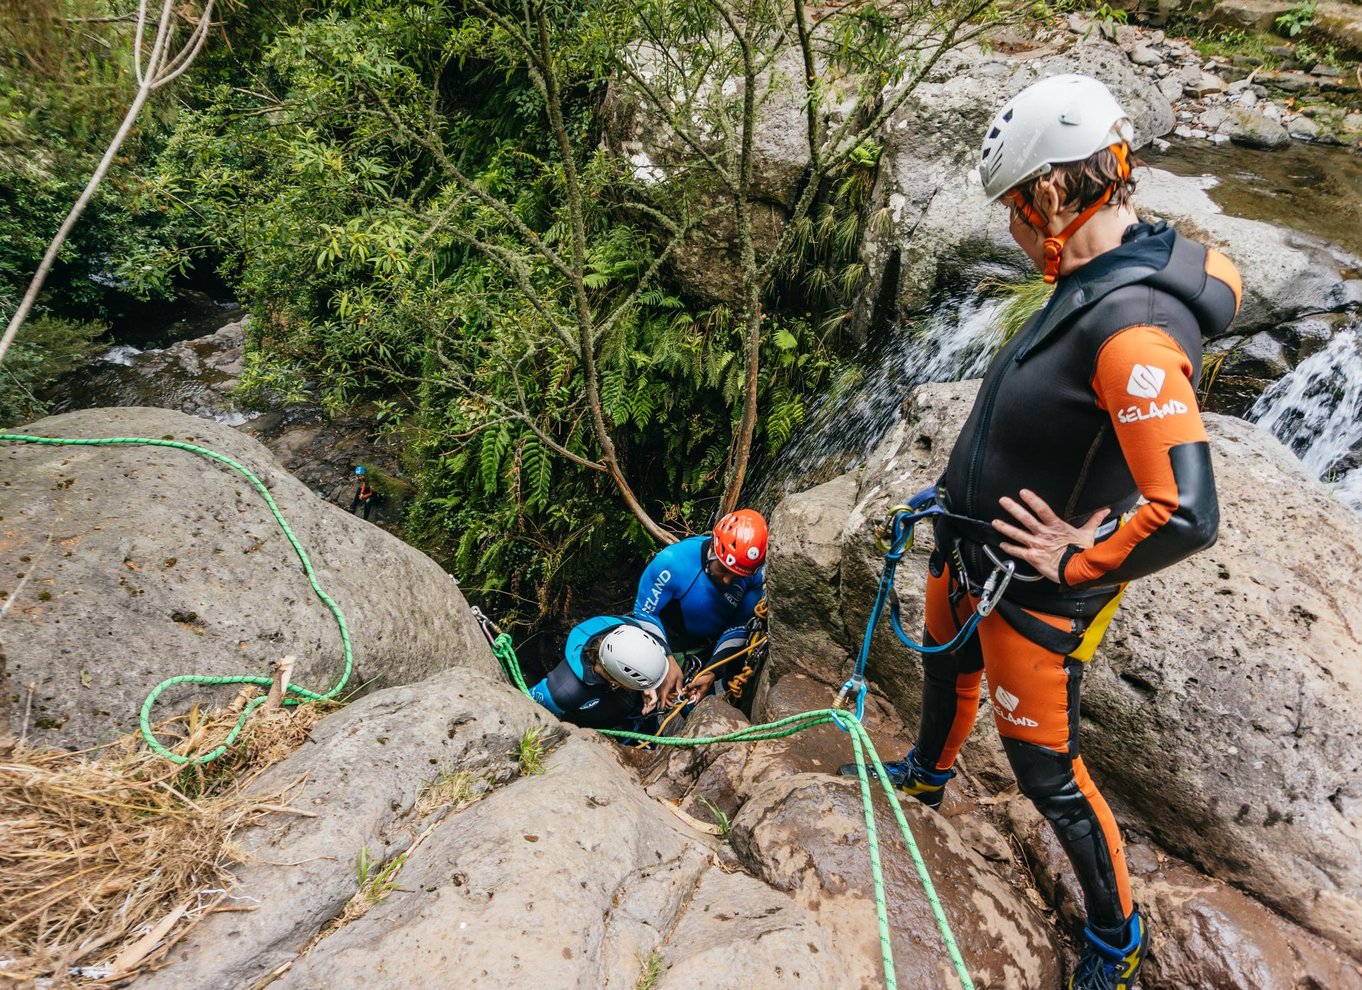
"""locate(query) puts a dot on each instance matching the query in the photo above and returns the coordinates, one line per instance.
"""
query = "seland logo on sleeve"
(1146, 382)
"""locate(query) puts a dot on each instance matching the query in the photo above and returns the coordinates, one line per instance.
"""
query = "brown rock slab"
(806, 834)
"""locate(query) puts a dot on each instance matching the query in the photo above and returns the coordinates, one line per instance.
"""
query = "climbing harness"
(896, 538)
(299, 694)
(756, 641)
(755, 651)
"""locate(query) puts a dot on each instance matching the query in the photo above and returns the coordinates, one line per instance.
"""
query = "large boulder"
(801, 828)
(927, 191)
(129, 564)
(572, 877)
(1222, 711)
(806, 834)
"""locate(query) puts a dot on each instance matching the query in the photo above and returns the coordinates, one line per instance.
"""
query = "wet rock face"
(199, 375)
(162, 562)
(1221, 710)
(191, 376)
(1203, 933)
(805, 834)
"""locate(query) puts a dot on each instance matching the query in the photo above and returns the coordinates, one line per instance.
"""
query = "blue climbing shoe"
(928, 786)
(1106, 967)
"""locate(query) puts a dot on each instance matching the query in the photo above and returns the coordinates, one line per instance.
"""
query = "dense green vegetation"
(415, 202)
(62, 91)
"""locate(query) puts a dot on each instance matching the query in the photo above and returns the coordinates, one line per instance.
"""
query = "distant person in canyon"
(365, 496)
(1089, 407)
(608, 677)
(699, 594)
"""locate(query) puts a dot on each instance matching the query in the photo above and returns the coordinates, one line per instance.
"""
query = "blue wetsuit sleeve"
(541, 693)
(734, 637)
(658, 586)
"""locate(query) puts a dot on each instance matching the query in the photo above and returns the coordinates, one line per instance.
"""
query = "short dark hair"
(1082, 183)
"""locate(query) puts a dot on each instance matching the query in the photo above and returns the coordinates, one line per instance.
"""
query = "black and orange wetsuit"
(1092, 405)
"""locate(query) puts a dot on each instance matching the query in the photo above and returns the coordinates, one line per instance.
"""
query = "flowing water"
(1314, 188)
(1316, 410)
(954, 342)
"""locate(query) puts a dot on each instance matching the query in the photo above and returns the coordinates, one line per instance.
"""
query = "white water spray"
(1316, 410)
(842, 428)
(124, 355)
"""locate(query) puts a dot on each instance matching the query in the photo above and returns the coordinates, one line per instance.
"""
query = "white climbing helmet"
(1059, 119)
(633, 658)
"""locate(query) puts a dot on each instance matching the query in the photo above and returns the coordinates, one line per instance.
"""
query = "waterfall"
(1316, 410)
(841, 430)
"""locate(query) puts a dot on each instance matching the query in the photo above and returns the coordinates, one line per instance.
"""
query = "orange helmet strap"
(1054, 246)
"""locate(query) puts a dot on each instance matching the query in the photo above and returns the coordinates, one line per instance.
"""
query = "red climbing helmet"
(740, 541)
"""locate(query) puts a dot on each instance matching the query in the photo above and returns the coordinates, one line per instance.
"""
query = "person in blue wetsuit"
(699, 594)
(608, 677)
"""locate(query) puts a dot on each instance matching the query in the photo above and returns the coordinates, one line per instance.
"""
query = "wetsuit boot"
(928, 786)
(1105, 966)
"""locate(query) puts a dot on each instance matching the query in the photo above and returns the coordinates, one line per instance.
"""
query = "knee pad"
(1047, 778)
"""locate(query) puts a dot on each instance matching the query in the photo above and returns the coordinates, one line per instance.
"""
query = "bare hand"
(699, 687)
(671, 684)
(649, 701)
(1041, 537)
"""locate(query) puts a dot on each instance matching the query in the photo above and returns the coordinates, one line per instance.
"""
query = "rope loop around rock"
(296, 693)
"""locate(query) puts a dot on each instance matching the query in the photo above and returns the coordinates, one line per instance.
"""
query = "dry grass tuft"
(109, 857)
(451, 790)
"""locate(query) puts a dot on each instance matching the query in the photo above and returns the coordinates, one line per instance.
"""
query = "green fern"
(786, 413)
(495, 442)
(536, 471)
(614, 398)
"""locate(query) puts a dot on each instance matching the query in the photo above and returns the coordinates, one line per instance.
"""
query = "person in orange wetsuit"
(1091, 406)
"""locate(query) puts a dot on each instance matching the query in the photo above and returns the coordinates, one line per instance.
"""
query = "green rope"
(302, 694)
(504, 651)
(861, 743)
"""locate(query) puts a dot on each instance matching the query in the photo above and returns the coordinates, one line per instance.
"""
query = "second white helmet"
(1059, 119)
(633, 658)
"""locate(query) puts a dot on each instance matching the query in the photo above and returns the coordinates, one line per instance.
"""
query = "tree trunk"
(45, 267)
(6, 705)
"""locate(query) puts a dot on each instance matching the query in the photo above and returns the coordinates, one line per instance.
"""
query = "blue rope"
(902, 526)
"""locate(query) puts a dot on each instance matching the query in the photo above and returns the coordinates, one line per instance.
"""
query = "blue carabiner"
(859, 687)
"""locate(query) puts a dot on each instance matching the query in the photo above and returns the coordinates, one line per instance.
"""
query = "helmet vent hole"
(1007, 117)
(993, 134)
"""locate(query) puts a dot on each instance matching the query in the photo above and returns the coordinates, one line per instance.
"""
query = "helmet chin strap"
(1054, 246)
